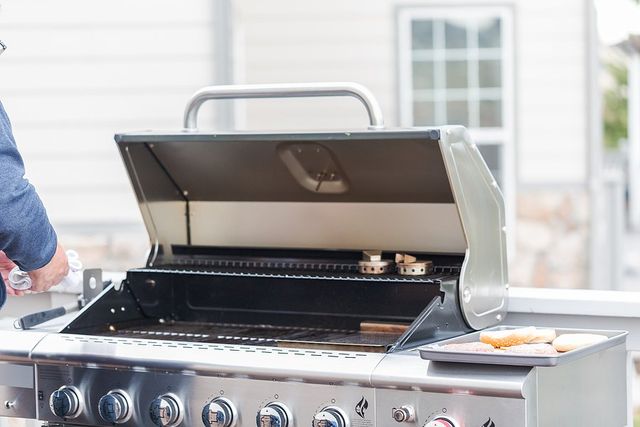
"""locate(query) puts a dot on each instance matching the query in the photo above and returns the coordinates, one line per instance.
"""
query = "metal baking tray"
(435, 353)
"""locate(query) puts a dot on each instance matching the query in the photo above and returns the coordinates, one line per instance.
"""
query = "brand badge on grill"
(489, 423)
(362, 406)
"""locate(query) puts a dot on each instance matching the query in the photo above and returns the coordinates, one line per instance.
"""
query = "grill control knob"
(166, 411)
(115, 407)
(331, 416)
(220, 412)
(442, 421)
(65, 402)
(403, 414)
(274, 414)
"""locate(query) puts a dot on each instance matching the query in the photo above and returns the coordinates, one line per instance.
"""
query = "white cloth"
(21, 281)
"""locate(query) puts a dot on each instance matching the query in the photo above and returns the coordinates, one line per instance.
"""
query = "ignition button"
(403, 414)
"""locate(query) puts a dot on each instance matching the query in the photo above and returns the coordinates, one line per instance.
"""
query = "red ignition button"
(441, 422)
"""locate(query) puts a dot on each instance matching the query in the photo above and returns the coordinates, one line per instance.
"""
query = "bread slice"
(543, 336)
(568, 342)
(532, 349)
(474, 347)
(509, 337)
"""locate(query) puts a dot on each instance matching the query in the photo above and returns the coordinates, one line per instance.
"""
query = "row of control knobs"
(166, 410)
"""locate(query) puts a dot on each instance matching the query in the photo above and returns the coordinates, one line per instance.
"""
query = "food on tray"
(539, 348)
(544, 335)
(469, 346)
(568, 342)
(508, 337)
(525, 341)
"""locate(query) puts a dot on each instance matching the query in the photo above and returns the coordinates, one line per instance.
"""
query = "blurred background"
(550, 91)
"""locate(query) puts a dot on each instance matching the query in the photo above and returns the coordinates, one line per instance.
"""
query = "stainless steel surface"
(220, 412)
(16, 346)
(279, 213)
(92, 283)
(66, 402)
(286, 90)
(270, 209)
(443, 421)
(304, 398)
(331, 416)
(577, 394)
(407, 371)
(483, 279)
(234, 360)
(166, 410)
(469, 394)
(274, 414)
(449, 202)
(404, 414)
(17, 390)
(115, 407)
(435, 352)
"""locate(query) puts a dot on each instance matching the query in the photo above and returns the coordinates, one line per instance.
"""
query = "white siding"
(333, 40)
(76, 72)
(551, 92)
(289, 40)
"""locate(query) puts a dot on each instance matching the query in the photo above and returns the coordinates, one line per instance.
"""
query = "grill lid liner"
(407, 190)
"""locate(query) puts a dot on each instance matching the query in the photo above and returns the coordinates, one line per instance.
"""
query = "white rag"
(20, 280)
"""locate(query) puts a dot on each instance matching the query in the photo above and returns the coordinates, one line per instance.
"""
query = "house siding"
(76, 72)
(286, 40)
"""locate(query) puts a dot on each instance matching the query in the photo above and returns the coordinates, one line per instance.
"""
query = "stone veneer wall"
(552, 244)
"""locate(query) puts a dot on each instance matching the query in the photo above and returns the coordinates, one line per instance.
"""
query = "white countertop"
(582, 302)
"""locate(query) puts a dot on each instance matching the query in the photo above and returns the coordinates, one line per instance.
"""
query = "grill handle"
(286, 90)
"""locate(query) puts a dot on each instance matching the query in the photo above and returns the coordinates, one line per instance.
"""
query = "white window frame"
(503, 136)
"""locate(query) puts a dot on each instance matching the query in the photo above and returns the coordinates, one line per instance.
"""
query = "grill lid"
(413, 190)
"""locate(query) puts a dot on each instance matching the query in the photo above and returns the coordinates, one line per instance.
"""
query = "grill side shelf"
(435, 353)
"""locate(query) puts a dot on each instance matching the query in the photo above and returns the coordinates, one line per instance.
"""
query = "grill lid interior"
(383, 190)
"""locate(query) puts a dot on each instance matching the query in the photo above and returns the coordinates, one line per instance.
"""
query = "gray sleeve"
(26, 235)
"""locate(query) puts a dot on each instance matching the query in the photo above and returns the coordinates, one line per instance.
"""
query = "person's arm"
(26, 235)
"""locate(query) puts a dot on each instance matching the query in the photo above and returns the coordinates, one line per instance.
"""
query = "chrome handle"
(286, 90)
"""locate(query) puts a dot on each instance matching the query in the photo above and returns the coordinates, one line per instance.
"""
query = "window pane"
(490, 113)
(456, 74)
(423, 113)
(457, 113)
(491, 153)
(489, 33)
(422, 34)
(455, 34)
(423, 75)
(490, 73)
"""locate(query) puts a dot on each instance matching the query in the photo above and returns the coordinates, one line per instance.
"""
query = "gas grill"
(254, 306)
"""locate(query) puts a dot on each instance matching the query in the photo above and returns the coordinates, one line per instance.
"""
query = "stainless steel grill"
(252, 308)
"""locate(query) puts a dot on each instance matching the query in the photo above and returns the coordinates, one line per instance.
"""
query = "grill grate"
(440, 273)
(262, 335)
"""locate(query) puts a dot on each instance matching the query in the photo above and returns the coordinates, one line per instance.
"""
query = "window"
(456, 67)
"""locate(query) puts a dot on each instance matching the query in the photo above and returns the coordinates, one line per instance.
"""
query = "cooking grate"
(261, 335)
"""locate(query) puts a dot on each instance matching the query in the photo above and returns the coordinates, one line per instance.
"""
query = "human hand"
(51, 274)
(6, 265)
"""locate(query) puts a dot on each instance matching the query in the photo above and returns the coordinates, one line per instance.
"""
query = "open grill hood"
(425, 191)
